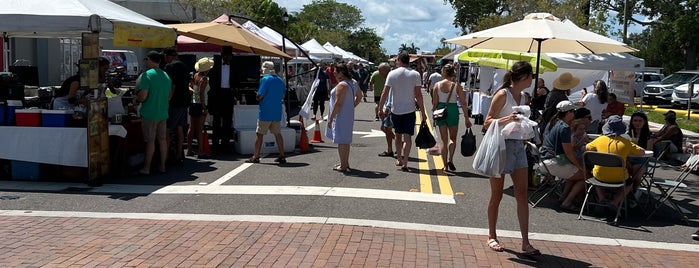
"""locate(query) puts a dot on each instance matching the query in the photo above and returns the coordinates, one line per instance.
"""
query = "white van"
(126, 58)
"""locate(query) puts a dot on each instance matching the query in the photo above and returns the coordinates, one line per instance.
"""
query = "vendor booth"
(32, 138)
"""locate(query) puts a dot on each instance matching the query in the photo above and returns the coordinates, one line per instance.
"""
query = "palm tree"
(412, 49)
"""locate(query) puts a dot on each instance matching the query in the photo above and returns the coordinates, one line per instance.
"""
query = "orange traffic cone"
(303, 143)
(205, 140)
(317, 137)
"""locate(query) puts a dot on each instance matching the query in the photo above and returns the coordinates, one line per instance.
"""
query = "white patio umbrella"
(542, 32)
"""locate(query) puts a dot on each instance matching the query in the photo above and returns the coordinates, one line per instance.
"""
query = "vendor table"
(48, 145)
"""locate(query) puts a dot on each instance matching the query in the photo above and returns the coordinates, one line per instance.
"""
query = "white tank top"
(444, 95)
(509, 103)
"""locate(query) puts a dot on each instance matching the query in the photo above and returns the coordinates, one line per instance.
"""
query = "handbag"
(424, 139)
(468, 143)
(441, 113)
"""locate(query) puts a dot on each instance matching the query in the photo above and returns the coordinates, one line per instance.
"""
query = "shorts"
(562, 171)
(516, 156)
(404, 123)
(176, 117)
(377, 99)
(153, 130)
(452, 115)
(197, 109)
(273, 126)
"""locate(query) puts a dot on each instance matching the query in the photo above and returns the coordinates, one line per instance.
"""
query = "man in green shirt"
(376, 83)
(155, 91)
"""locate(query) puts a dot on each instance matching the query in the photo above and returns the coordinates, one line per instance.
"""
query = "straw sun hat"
(566, 81)
(204, 64)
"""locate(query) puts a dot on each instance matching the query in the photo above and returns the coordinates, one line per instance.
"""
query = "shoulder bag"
(441, 114)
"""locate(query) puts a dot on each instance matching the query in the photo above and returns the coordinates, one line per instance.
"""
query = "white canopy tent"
(333, 49)
(72, 18)
(588, 67)
(316, 49)
(272, 36)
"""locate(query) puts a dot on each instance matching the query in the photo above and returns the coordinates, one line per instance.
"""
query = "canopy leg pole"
(538, 61)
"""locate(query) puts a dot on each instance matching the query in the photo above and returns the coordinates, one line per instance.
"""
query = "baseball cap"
(565, 106)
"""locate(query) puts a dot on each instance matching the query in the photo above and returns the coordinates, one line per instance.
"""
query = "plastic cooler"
(56, 118)
(28, 117)
(245, 124)
(3, 113)
(26, 171)
(12, 105)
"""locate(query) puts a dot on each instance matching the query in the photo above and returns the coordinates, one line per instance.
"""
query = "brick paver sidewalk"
(91, 242)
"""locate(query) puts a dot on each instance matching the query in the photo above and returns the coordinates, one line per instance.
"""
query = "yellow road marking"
(442, 178)
(425, 177)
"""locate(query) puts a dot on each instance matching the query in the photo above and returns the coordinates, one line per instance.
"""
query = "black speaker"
(246, 68)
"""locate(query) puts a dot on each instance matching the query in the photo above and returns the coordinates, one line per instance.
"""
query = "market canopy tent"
(228, 34)
(272, 36)
(72, 18)
(315, 49)
(542, 32)
(504, 59)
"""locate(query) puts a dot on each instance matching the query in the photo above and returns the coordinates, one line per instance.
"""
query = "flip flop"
(386, 154)
(253, 160)
(404, 168)
(529, 250)
(337, 168)
(494, 244)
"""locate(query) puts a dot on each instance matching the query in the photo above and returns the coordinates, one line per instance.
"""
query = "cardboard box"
(28, 117)
(245, 141)
(56, 118)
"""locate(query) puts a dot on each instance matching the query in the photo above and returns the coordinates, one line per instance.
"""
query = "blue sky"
(423, 22)
(428, 21)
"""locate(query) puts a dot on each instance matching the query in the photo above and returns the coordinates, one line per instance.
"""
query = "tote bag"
(490, 157)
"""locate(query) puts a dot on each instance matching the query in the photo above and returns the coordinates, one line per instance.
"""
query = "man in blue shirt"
(270, 95)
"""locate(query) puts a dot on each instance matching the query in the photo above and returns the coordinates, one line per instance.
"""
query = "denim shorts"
(516, 156)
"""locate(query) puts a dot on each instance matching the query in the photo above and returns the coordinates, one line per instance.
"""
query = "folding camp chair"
(548, 184)
(667, 187)
(591, 159)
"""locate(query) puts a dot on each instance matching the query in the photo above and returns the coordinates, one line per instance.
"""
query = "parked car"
(681, 95)
(642, 79)
(661, 93)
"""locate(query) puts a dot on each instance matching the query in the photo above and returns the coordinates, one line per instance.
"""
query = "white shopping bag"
(491, 154)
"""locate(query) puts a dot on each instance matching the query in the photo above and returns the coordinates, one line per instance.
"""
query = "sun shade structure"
(72, 18)
(504, 59)
(541, 32)
(228, 34)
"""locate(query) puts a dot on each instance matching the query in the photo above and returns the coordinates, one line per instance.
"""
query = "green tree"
(476, 15)
(671, 38)
(366, 44)
(412, 49)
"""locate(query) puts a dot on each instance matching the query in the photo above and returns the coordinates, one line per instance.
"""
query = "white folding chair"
(666, 187)
(591, 159)
(548, 184)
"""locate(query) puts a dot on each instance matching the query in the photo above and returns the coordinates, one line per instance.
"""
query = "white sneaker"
(695, 235)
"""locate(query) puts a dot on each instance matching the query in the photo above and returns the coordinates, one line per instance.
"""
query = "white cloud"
(423, 22)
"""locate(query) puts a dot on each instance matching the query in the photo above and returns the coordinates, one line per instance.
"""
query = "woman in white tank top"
(449, 127)
(509, 95)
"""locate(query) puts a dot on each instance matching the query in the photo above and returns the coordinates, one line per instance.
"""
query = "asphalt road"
(374, 190)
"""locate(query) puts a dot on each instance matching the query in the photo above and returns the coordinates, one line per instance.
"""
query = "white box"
(245, 141)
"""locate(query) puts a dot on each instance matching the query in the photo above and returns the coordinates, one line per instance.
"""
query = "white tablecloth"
(49, 145)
